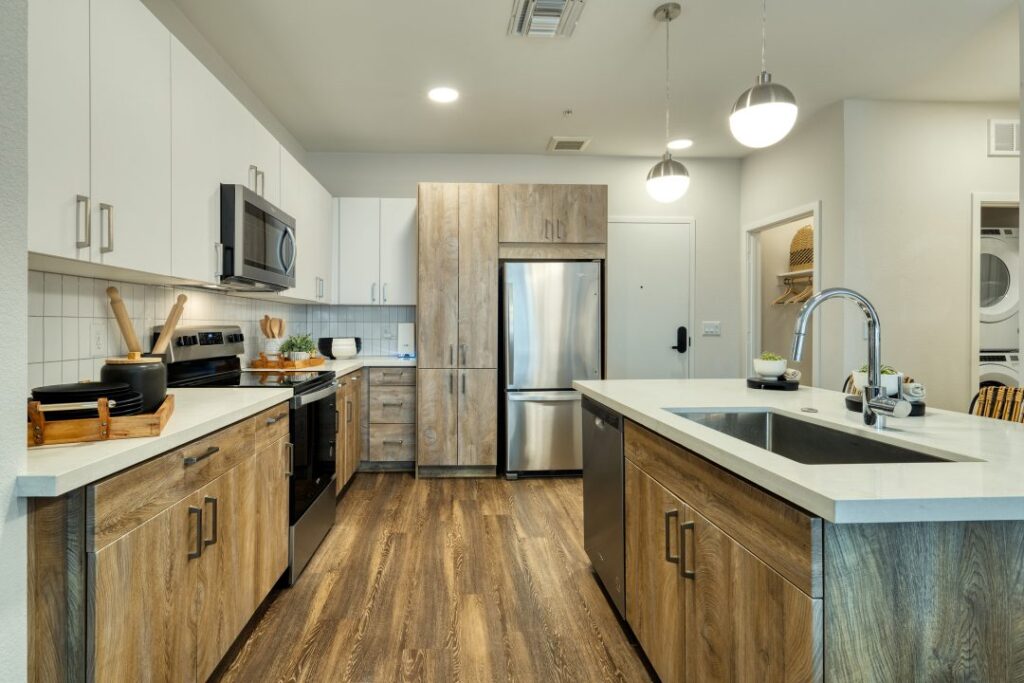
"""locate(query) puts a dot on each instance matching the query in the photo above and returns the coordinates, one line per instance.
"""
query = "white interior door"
(649, 280)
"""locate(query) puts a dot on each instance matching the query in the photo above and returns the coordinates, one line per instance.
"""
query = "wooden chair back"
(1001, 403)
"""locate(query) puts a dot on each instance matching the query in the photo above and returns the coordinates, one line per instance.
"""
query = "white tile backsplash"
(67, 313)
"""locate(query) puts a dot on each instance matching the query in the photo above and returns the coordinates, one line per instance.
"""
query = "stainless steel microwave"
(257, 242)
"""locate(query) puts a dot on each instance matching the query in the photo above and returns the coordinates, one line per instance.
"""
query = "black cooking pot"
(149, 379)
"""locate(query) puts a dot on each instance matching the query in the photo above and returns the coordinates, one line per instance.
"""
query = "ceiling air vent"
(544, 18)
(1003, 138)
(558, 144)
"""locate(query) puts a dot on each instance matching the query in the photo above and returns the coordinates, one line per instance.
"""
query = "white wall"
(13, 267)
(910, 172)
(713, 200)
(806, 167)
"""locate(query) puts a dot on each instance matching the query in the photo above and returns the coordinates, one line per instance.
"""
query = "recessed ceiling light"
(680, 143)
(443, 95)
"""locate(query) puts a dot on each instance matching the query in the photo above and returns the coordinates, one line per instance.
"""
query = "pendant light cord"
(668, 93)
(764, 33)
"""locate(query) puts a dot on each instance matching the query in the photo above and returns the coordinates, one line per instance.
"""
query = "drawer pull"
(393, 404)
(683, 571)
(385, 373)
(198, 512)
(393, 442)
(276, 418)
(669, 557)
(193, 459)
(211, 501)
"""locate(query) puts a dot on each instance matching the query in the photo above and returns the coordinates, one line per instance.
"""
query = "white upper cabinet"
(58, 127)
(268, 161)
(358, 250)
(309, 204)
(376, 251)
(130, 81)
(398, 254)
(210, 136)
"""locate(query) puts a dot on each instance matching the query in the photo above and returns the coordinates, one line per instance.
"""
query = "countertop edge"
(50, 486)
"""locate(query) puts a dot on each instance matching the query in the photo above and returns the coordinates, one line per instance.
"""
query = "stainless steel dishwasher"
(604, 532)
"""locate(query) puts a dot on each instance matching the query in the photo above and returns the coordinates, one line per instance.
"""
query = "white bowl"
(769, 369)
(891, 383)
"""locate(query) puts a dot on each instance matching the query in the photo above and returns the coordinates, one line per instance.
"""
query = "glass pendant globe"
(764, 114)
(668, 180)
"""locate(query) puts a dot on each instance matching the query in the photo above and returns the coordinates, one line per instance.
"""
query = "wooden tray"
(102, 428)
(264, 363)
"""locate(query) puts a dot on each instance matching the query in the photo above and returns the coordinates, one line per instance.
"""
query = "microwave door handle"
(291, 235)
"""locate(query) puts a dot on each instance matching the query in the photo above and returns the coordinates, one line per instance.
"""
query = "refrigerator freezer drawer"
(544, 429)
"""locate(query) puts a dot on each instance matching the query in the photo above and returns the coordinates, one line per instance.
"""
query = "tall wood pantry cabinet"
(457, 327)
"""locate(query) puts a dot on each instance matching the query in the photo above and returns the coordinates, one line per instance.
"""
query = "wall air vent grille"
(1003, 138)
(562, 144)
(544, 18)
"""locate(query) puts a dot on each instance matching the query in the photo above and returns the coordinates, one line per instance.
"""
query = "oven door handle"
(313, 396)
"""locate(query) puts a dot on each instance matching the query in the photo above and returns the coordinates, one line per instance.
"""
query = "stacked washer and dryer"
(999, 360)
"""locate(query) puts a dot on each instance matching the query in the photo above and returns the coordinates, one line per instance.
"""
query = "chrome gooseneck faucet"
(876, 405)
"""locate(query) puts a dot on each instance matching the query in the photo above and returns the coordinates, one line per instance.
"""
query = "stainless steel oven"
(257, 242)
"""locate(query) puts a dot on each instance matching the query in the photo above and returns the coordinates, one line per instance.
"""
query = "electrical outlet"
(712, 328)
(98, 338)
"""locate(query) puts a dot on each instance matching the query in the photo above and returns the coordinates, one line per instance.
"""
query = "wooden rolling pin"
(125, 323)
(168, 329)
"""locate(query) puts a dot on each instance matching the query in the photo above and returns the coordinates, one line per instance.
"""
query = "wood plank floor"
(443, 580)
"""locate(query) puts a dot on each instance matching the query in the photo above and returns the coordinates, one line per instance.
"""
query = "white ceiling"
(347, 75)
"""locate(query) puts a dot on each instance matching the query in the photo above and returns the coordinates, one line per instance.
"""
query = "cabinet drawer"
(392, 443)
(393, 376)
(392, 405)
(271, 425)
(782, 536)
(126, 500)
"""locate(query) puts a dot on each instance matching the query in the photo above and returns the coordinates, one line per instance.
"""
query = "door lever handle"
(682, 340)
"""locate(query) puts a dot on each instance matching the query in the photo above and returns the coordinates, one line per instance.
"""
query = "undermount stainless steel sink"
(801, 441)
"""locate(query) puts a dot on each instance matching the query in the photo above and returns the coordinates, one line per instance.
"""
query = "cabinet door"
(478, 276)
(753, 625)
(351, 418)
(655, 591)
(58, 127)
(208, 147)
(478, 410)
(359, 250)
(524, 213)
(271, 516)
(341, 472)
(131, 136)
(227, 583)
(436, 415)
(580, 213)
(398, 252)
(437, 324)
(143, 597)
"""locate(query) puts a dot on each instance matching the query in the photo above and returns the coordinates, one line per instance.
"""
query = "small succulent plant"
(301, 343)
(768, 355)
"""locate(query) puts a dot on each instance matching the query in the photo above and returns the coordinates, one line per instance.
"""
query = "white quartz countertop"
(55, 470)
(985, 481)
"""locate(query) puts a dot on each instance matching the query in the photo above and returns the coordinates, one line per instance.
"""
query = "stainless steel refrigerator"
(551, 326)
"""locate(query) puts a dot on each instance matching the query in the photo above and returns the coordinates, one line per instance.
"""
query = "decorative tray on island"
(282, 363)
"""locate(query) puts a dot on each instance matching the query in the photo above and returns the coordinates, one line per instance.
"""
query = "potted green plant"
(770, 365)
(298, 347)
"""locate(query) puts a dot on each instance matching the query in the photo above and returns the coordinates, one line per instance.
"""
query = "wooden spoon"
(265, 326)
(125, 323)
(168, 329)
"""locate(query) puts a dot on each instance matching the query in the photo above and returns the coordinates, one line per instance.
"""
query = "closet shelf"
(806, 273)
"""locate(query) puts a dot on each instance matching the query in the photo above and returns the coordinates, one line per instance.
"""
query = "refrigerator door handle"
(510, 357)
(549, 396)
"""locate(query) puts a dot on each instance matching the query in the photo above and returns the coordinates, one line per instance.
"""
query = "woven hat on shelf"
(801, 249)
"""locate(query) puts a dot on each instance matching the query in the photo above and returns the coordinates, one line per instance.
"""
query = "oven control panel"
(196, 343)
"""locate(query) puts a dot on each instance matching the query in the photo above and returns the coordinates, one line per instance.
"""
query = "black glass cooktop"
(209, 374)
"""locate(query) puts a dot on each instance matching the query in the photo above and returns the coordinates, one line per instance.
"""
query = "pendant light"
(765, 113)
(668, 180)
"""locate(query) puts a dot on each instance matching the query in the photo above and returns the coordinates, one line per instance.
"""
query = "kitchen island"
(742, 564)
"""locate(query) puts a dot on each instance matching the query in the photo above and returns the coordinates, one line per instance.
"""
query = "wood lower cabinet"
(142, 619)
(478, 411)
(705, 608)
(436, 418)
(272, 468)
(391, 405)
(553, 213)
(348, 440)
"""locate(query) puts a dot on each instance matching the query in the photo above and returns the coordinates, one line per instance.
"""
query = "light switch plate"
(712, 328)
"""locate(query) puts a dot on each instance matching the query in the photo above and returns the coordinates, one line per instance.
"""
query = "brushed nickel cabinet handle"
(276, 418)
(462, 355)
(348, 411)
(373, 293)
(193, 459)
(669, 557)
(212, 502)
(83, 215)
(683, 571)
(261, 182)
(463, 384)
(291, 459)
(451, 354)
(109, 210)
(198, 512)
(393, 442)
(451, 383)
(393, 404)
(253, 170)
(384, 292)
